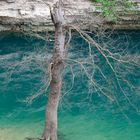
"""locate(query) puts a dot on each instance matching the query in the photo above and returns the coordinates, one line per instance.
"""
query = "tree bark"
(57, 65)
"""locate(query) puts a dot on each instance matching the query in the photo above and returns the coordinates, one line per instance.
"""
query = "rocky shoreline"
(34, 15)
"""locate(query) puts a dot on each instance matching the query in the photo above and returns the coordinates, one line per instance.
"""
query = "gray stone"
(10, 1)
(37, 15)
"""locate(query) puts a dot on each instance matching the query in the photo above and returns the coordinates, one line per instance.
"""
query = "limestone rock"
(35, 15)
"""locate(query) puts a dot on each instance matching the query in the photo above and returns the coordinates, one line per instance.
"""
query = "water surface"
(84, 114)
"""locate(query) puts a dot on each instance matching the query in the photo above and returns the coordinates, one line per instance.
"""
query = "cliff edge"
(34, 15)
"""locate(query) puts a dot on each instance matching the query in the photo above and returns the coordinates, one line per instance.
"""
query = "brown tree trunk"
(57, 64)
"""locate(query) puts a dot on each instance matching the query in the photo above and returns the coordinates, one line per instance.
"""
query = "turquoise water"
(84, 113)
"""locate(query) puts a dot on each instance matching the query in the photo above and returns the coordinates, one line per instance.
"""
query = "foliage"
(111, 8)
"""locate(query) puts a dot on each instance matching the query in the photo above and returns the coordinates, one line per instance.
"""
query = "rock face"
(34, 15)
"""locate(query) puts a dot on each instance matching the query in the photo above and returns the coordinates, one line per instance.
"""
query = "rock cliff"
(34, 15)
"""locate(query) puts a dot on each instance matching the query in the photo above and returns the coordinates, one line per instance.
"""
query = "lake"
(84, 112)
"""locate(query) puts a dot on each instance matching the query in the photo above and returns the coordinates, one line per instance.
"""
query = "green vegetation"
(111, 8)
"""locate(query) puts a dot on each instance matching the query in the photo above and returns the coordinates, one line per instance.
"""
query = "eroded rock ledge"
(34, 15)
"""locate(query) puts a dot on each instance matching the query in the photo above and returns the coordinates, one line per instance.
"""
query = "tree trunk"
(57, 64)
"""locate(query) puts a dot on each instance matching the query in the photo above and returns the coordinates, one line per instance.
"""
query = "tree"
(59, 58)
(57, 65)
